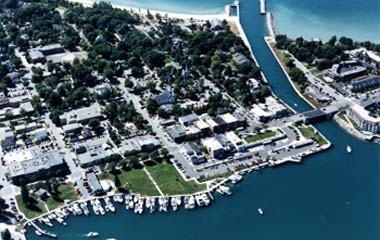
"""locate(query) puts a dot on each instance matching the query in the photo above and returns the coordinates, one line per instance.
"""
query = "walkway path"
(153, 181)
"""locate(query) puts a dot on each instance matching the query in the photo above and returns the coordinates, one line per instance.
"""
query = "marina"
(165, 203)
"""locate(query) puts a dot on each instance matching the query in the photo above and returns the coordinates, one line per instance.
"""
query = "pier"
(43, 232)
(262, 7)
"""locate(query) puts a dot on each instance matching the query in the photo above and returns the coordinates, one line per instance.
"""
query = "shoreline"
(221, 16)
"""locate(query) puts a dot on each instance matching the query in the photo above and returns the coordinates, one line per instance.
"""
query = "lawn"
(136, 181)
(308, 132)
(342, 116)
(260, 136)
(171, 182)
(356, 126)
(33, 211)
(65, 191)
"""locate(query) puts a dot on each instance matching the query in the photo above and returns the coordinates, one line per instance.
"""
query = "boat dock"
(43, 232)
(262, 7)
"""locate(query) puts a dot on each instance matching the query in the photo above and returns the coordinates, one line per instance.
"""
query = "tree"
(3, 207)
(164, 152)
(25, 194)
(6, 235)
(151, 106)
(94, 123)
(117, 181)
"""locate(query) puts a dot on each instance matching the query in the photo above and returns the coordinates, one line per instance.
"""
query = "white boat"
(179, 201)
(235, 178)
(349, 149)
(224, 190)
(261, 211)
(205, 199)
(38, 233)
(92, 234)
(173, 203)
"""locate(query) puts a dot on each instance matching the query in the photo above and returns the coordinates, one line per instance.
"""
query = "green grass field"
(33, 211)
(260, 136)
(171, 182)
(308, 132)
(136, 181)
(65, 192)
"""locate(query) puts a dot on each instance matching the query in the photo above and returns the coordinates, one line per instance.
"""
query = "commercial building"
(193, 153)
(214, 148)
(236, 141)
(269, 110)
(34, 163)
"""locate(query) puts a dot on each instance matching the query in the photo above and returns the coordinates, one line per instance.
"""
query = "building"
(166, 97)
(84, 115)
(240, 59)
(94, 183)
(254, 85)
(94, 153)
(364, 119)
(214, 148)
(364, 84)
(25, 128)
(269, 110)
(177, 133)
(188, 119)
(346, 70)
(52, 49)
(72, 129)
(193, 153)
(316, 94)
(34, 164)
(236, 141)
(7, 138)
(36, 56)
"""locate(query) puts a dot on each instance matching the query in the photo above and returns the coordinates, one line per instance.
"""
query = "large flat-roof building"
(34, 162)
(269, 110)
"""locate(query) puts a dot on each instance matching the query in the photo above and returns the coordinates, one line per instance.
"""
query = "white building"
(364, 119)
(236, 141)
(269, 110)
(214, 147)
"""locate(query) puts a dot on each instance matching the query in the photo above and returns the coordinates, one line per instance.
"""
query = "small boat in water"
(348, 149)
(261, 211)
(92, 234)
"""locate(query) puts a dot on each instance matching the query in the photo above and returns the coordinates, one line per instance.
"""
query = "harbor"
(136, 203)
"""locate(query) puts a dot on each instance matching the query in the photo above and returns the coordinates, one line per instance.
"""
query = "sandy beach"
(221, 16)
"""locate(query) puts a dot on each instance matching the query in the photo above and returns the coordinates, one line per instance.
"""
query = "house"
(94, 183)
(216, 24)
(14, 77)
(166, 97)
(24, 128)
(240, 59)
(254, 85)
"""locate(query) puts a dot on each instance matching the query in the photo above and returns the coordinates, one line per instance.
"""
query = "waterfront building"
(364, 119)
(269, 110)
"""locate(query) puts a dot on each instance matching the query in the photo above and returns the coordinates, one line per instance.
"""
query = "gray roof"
(188, 119)
(176, 131)
(38, 162)
(165, 97)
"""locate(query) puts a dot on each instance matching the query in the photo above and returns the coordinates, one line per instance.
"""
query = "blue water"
(358, 19)
(332, 195)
